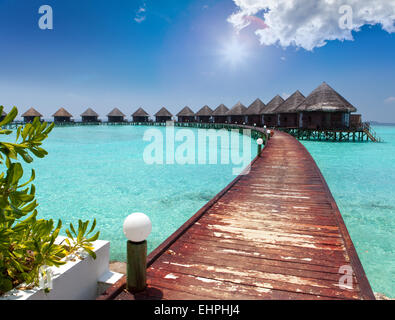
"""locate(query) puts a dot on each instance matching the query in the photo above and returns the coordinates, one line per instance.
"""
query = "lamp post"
(136, 227)
(260, 143)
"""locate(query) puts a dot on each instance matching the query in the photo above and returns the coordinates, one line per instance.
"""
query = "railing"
(370, 131)
(257, 132)
(363, 127)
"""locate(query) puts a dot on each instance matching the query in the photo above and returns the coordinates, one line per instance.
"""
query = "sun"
(234, 53)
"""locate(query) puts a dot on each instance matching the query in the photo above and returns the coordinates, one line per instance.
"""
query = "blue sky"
(177, 53)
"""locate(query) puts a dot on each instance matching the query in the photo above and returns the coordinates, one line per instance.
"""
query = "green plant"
(28, 243)
(80, 240)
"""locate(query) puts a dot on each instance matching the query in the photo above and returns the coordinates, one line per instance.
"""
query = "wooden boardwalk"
(275, 233)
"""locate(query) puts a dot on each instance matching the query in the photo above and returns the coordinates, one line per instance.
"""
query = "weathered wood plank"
(271, 281)
(248, 266)
(287, 253)
(262, 258)
(275, 233)
(218, 289)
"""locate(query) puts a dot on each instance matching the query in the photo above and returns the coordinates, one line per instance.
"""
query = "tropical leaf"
(28, 243)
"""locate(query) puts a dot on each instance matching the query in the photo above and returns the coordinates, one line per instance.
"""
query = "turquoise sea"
(99, 172)
(361, 177)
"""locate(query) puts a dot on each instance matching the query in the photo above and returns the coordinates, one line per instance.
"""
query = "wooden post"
(259, 149)
(136, 268)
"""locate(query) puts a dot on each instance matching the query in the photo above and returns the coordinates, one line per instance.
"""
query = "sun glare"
(234, 53)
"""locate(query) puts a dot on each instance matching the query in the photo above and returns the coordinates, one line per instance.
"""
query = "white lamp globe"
(137, 227)
(259, 141)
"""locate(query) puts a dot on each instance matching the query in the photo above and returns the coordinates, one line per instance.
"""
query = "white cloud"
(390, 100)
(311, 23)
(141, 13)
(139, 19)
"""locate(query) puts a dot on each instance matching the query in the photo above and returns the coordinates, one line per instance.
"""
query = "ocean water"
(99, 172)
(361, 177)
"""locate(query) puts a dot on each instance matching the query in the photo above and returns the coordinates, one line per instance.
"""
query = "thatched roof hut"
(163, 115)
(204, 114)
(324, 108)
(325, 99)
(287, 114)
(238, 110)
(186, 112)
(291, 103)
(273, 105)
(256, 108)
(219, 114)
(30, 114)
(221, 110)
(140, 115)
(62, 115)
(237, 114)
(62, 112)
(140, 112)
(89, 113)
(186, 115)
(254, 112)
(90, 116)
(270, 118)
(206, 111)
(116, 115)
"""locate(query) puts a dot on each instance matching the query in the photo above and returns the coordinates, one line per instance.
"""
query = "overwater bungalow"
(140, 116)
(237, 114)
(30, 114)
(90, 116)
(163, 115)
(116, 115)
(62, 115)
(269, 112)
(254, 113)
(3, 115)
(324, 108)
(287, 115)
(204, 114)
(186, 115)
(219, 114)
